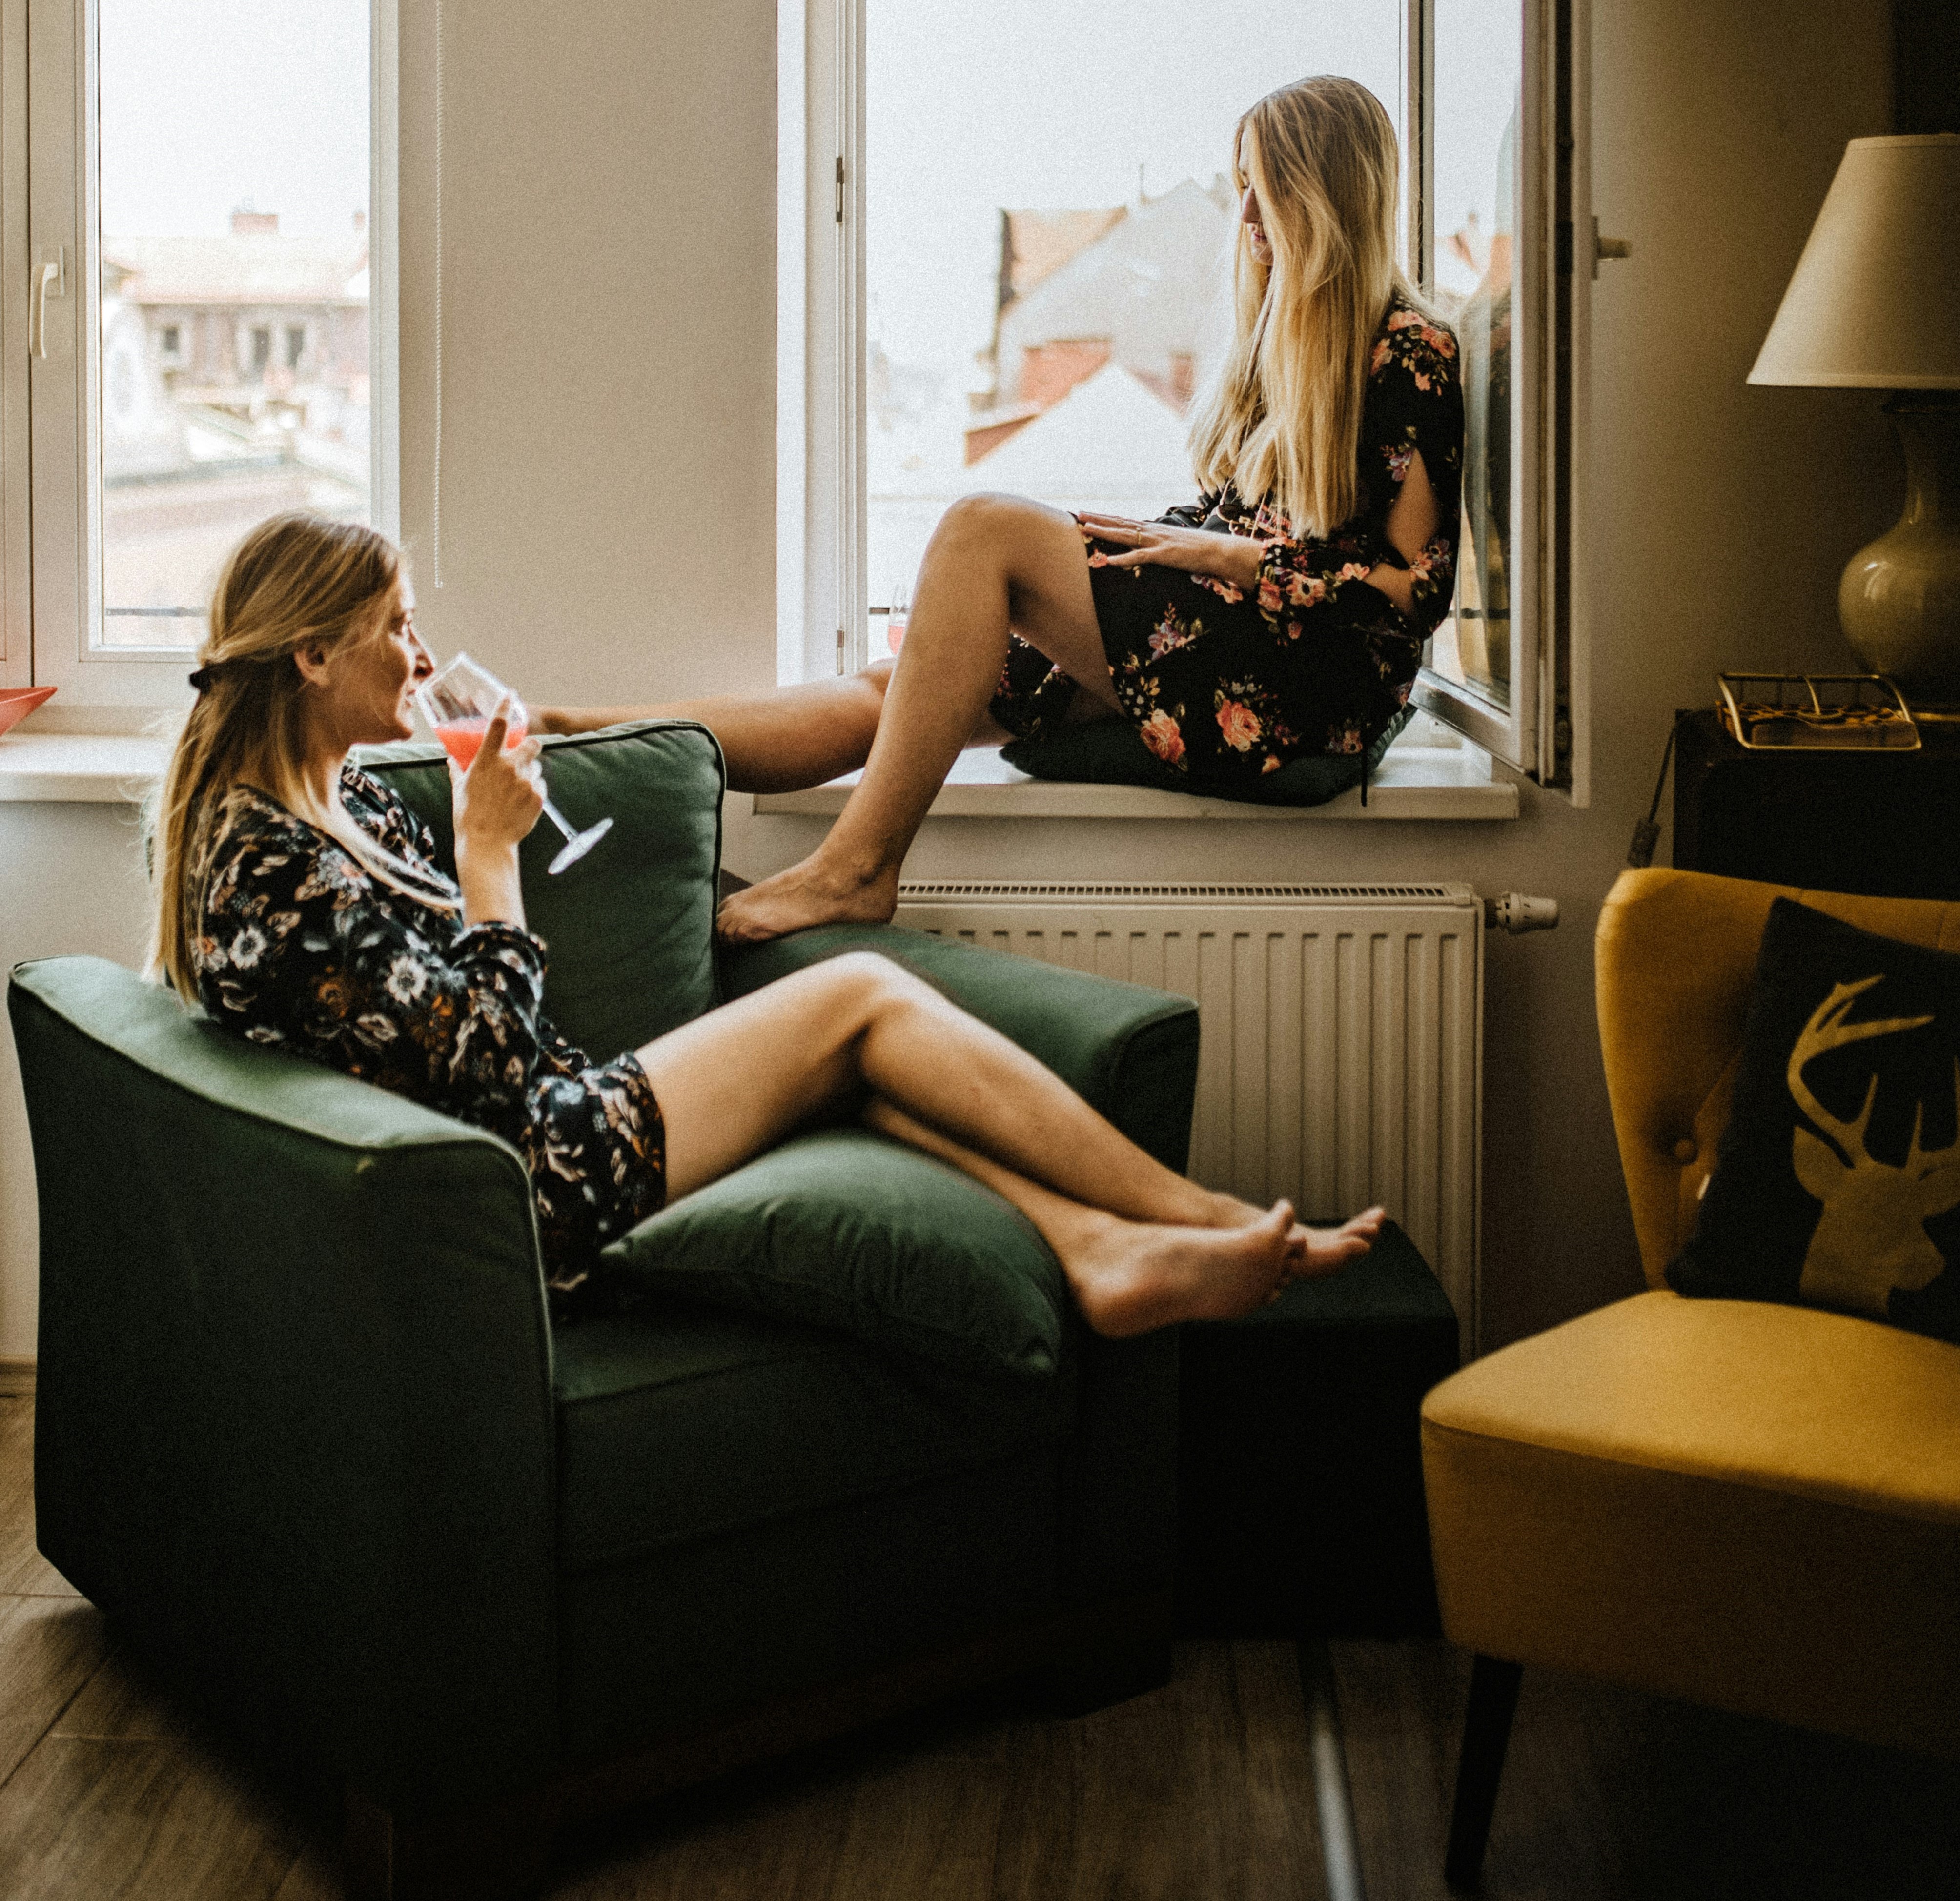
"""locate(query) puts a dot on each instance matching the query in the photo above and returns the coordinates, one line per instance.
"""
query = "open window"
(1002, 231)
(198, 239)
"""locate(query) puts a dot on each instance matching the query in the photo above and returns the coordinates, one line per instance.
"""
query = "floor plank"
(1202, 1789)
(24, 1572)
(153, 1821)
(1610, 1795)
(120, 1704)
(50, 1647)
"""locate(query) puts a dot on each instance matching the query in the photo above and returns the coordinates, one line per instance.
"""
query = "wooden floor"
(1201, 1790)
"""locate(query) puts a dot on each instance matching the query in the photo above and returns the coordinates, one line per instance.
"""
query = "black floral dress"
(1225, 688)
(300, 946)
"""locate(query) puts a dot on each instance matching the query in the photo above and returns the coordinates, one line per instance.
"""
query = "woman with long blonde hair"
(1281, 614)
(301, 903)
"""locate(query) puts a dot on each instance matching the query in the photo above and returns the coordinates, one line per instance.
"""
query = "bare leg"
(779, 741)
(732, 1083)
(995, 563)
(1310, 1252)
(1130, 1276)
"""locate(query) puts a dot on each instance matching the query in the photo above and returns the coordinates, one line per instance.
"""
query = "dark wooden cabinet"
(1886, 824)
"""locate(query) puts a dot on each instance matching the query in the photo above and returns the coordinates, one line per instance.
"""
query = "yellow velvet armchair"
(1750, 1506)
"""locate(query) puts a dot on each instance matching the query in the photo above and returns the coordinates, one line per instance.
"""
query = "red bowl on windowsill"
(16, 702)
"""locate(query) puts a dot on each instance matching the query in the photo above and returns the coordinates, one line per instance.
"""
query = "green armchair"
(308, 1435)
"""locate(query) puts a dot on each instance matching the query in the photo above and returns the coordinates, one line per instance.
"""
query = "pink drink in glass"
(463, 739)
(458, 701)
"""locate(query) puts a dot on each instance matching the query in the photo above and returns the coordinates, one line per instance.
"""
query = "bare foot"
(1132, 1275)
(1315, 1251)
(1311, 1252)
(808, 893)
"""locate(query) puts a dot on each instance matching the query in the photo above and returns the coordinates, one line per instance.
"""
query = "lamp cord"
(1646, 834)
(435, 497)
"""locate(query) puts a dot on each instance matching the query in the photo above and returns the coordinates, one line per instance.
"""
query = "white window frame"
(17, 646)
(820, 314)
(50, 528)
(821, 541)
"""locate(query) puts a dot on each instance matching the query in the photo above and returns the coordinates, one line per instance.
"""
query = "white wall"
(71, 881)
(608, 346)
(608, 502)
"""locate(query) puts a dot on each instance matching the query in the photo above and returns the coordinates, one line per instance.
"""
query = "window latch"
(840, 190)
(50, 280)
(1608, 248)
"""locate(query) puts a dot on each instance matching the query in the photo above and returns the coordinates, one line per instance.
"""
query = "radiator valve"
(1516, 913)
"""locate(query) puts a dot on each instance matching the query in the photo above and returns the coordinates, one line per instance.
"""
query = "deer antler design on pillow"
(1871, 1238)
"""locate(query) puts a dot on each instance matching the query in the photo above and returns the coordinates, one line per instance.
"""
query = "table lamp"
(1875, 304)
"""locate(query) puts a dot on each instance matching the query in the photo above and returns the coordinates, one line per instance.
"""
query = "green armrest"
(310, 1460)
(1130, 1052)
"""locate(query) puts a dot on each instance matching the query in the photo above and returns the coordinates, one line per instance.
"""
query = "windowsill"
(103, 769)
(1416, 782)
(1425, 782)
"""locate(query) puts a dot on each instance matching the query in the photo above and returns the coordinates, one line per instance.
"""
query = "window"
(202, 176)
(1004, 227)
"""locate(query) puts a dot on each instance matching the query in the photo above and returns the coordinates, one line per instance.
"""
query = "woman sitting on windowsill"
(1281, 614)
(298, 900)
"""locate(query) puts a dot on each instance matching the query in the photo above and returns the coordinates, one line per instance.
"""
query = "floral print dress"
(299, 945)
(1225, 687)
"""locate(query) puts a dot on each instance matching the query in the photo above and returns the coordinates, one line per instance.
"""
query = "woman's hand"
(496, 803)
(1234, 559)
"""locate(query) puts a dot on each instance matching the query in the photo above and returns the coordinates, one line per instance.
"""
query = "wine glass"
(898, 616)
(458, 701)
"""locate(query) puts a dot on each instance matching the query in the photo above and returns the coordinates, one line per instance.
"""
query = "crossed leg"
(1141, 1246)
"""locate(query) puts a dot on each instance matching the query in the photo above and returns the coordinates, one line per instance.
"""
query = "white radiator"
(1340, 1032)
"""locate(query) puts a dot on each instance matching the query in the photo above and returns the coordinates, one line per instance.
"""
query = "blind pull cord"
(435, 497)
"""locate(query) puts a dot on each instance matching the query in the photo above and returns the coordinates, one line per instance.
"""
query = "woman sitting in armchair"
(299, 901)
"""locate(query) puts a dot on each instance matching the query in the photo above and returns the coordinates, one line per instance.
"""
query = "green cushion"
(629, 929)
(1112, 752)
(844, 1230)
(677, 1424)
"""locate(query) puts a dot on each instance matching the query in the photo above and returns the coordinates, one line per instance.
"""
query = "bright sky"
(208, 104)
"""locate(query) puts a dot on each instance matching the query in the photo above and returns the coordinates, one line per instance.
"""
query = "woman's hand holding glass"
(497, 801)
(460, 702)
(1234, 559)
(499, 798)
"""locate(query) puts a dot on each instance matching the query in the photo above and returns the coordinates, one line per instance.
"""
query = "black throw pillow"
(1837, 1181)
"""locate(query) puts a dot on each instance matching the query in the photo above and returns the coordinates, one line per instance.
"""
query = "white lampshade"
(1875, 302)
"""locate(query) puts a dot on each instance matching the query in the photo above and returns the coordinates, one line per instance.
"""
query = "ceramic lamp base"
(1900, 598)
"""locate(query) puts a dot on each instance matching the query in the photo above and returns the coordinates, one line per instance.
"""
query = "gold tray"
(1816, 713)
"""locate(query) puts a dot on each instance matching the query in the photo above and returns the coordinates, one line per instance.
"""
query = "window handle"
(48, 277)
(1609, 247)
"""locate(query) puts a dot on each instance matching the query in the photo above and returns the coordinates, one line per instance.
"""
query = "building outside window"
(208, 165)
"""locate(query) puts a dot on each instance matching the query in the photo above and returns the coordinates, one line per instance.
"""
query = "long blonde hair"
(295, 580)
(1283, 416)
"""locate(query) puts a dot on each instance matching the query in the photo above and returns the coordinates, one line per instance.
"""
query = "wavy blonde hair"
(1283, 416)
(295, 580)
